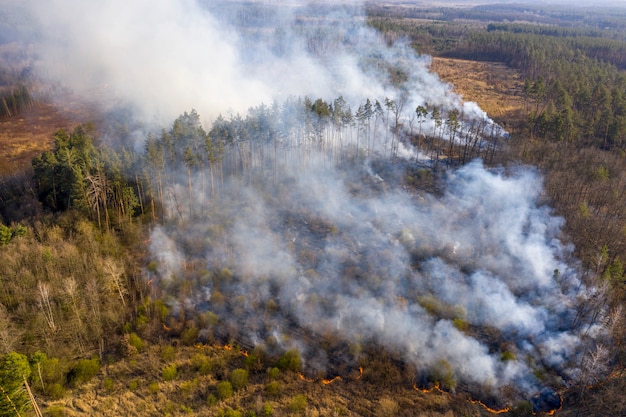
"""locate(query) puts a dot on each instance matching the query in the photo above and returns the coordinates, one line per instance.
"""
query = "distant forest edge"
(574, 82)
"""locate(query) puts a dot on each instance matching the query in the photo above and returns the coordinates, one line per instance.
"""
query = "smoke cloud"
(160, 58)
(474, 276)
(463, 278)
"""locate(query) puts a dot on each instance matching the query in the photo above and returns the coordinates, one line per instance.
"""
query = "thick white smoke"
(426, 276)
(164, 57)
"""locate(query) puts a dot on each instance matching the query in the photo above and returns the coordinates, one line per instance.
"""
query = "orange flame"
(429, 390)
(553, 412)
(437, 388)
(360, 373)
(225, 347)
(491, 410)
(302, 377)
(330, 381)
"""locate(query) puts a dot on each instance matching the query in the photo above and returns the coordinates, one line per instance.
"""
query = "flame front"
(491, 410)
(330, 381)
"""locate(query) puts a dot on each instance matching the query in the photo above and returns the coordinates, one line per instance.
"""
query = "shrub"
(298, 404)
(169, 373)
(5, 234)
(273, 388)
(224, 390)
(201, 364)
(108, 384)
(507, 355)
(154, 388)
(52, 372)
(135, 341)
(273, 373)
(289, 361)
(189, 336)
(267, 410)
(55, 391)
(83, 371)
(168, 353)
(443, 373)
(239, 379)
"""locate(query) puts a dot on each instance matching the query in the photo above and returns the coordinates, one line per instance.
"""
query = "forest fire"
(304, 378)
(437, 388)
(547, 402)
(227, 347)
(489, 409)
(330, 381)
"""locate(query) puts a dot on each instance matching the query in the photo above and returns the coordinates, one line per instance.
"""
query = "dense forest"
(237, 267)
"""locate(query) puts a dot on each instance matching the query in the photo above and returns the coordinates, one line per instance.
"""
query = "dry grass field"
(29, 133)
(24, 136)
(495, 87)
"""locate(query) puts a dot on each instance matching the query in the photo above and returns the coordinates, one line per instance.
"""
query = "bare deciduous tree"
(45, 305)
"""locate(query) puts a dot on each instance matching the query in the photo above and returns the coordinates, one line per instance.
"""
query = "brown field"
(495, 87)
(26, 135)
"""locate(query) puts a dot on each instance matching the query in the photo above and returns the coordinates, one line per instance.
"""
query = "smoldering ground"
(476, 278)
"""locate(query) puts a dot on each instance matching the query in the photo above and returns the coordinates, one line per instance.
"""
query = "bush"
(507, 355)
(154, 388)
(52, 372)
(136, 342)
(273, 373)
(298, 404)
(55, 391)
(239, 379)
(443, 373)
(289, 361)
(189, 336)
(201, 364)
(273, 388)
(224, 390)
(83, 371)
(267, 410)
(169, 373)
(168, 353)
(108, 384)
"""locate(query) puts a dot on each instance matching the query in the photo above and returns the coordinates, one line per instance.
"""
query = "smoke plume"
(463, 278)
(159, 58)
(474, 275)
